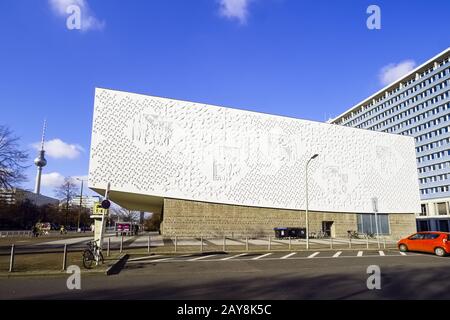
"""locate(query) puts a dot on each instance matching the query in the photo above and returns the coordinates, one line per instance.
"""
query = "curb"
(263, 251)
(117, 266)
(51, 273)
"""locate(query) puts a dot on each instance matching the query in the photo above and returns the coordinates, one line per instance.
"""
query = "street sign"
(98, 210)
(106, 204)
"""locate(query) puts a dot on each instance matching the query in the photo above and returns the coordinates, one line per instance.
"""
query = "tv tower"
(40, 162)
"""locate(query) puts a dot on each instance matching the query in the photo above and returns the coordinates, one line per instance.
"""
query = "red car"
(432, 241)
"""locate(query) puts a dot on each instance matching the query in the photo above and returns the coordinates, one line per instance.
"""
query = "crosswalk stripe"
(288, 255)
(238, 255)
(337, 254)
(313, 255)
(262, 256)
(360, 253)
(381, 253)
(203, 257)
(402, 253)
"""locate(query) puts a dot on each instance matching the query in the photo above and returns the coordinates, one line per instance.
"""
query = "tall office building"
(417, 105)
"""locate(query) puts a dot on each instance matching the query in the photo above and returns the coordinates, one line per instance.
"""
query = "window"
(417, 236)
(366, 223)
(442, 208)
(423, 211)
(430, 236)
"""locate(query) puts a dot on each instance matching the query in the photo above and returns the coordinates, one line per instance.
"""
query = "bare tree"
(67, 191)
(11, 159)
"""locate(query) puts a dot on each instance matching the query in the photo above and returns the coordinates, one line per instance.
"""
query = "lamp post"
(81, 203)
(307, 200)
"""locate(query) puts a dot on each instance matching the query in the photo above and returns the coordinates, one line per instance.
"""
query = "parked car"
(432, 241)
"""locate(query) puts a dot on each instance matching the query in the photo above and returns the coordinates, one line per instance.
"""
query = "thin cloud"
(235, 9)
(59, 149)
(88, 19)
(393, 72)
(52, 179)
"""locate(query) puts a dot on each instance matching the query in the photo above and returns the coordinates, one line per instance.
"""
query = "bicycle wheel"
(101, 257)
(88, 259)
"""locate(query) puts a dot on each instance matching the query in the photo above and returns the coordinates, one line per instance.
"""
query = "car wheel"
(403, 248)
(439, 252)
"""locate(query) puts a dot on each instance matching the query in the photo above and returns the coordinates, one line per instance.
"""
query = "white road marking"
(360, 253)
(381, 253)
(238, 255)
(337, 254)
(288, 255)
(144, 258)
(262, 256)
(402, 253)
(313, 255)
(150, 261)
(203, 257)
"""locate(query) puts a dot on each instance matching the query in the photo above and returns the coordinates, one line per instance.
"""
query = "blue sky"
(304, 59)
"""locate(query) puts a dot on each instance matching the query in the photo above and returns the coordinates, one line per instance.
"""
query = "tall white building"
(417, 105)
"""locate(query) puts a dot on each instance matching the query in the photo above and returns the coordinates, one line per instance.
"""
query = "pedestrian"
(34, 231)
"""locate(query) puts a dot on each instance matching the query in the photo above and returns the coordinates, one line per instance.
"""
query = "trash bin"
(281, 233)
(286, 232)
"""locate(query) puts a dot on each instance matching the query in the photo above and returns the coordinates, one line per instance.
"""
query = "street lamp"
(81, 205)
(307, 200)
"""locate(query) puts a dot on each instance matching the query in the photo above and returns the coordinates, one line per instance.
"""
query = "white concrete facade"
(150, 148)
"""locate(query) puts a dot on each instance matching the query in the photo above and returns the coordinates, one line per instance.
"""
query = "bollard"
(270, 243)
(11, 261)
(246, 244)
(176, 242)
(367, 242)
(224, 243)
(331, 243)
(290, 244)
(384, 243)
(201, 244)
(121, 243)
(148, 244)
(108, 246)
(64, 264)
(350, 243)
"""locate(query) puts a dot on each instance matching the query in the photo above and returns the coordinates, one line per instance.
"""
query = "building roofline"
(423, 66)
(241, 110)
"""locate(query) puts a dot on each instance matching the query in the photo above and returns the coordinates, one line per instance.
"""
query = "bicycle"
(352, 234)
(321, 234)
(370, 235)
(92, 253)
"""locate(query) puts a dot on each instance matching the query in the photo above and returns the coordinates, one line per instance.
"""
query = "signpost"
(375, 210)
(100, 210)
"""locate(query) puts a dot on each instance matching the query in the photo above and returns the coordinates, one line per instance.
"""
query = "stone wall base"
(195, 219)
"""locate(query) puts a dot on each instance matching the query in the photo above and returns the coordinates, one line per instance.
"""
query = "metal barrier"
(158, 244)
(19, 233)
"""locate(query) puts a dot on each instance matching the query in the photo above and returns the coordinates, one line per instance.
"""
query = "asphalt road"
(326, 275)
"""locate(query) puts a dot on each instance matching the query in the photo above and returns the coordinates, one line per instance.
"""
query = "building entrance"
(328, 228)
